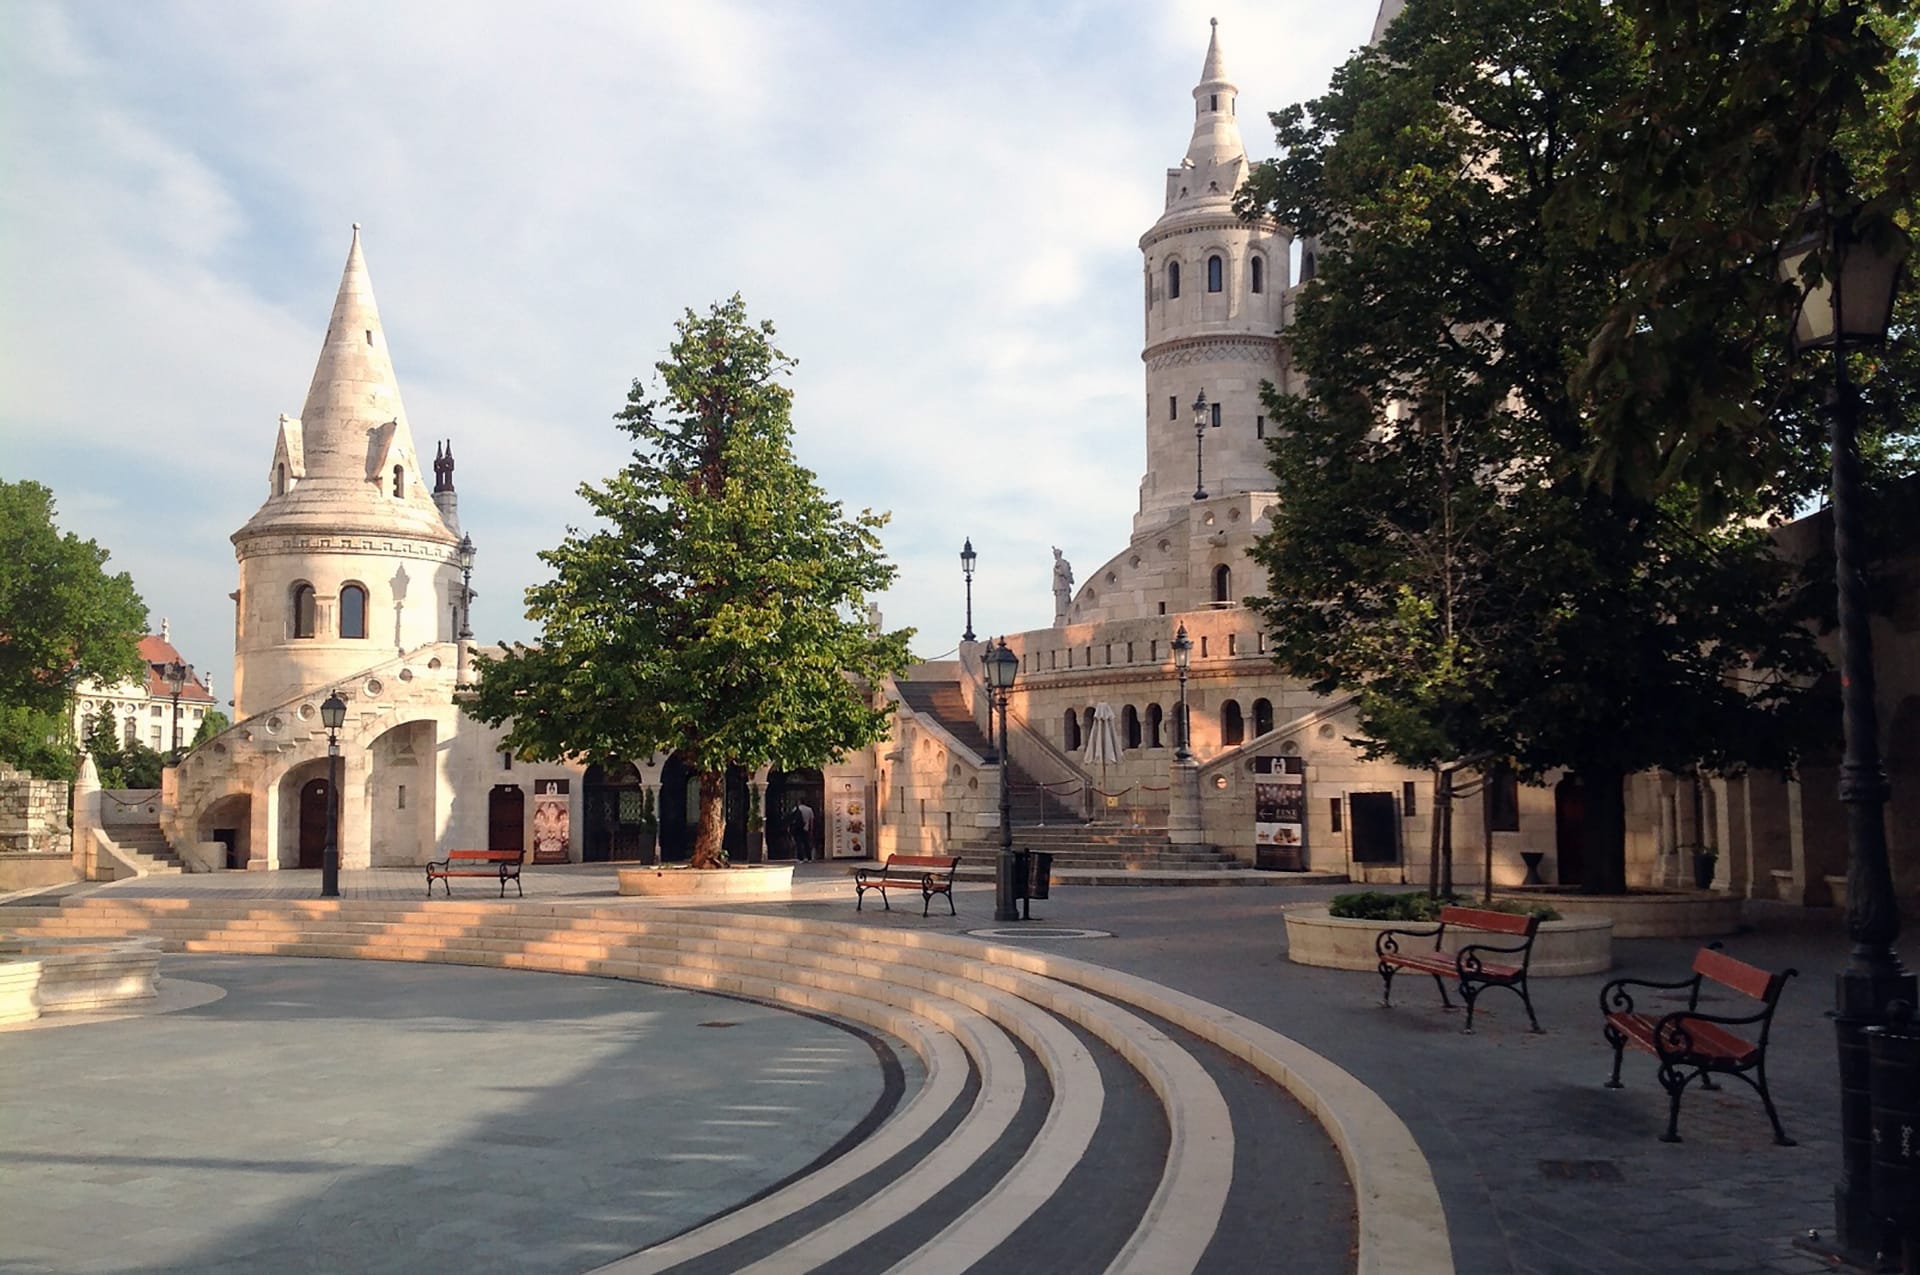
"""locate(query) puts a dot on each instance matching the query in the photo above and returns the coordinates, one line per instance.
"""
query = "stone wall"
(33, 814)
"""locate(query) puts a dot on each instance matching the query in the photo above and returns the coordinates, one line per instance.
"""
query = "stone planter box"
(1649, 915)
(1578, 945)
(68, 975)
(748, 881)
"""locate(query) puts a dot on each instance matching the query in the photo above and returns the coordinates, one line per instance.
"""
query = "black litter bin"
(1042, 874)
(1893, 1071)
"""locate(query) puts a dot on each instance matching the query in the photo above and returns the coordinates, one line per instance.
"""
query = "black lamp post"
(1182, 652)
(1002, 667)
(176, 676)
(466, 588)
(1851, 307)
(333, 715)
(967, 559)
(1202, 418)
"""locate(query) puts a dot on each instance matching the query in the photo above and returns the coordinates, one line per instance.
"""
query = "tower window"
(1307, 266)
(1259, 427)
(399, 481)
(279, 480)
(1222, 584)
(1216, 414)
(1155, 720)
(1233, 728)
(1213, 101)
(353, 611)
(1173, 281)
(302, 610)
(1216, 273)
(1173, 407)
(1259, 275)
(1130, 724)
(1262, 716)
(369, 336)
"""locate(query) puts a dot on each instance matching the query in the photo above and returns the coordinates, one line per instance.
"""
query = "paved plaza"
(328, 1115)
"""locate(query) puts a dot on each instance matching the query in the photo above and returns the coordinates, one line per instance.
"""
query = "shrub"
(1377, 905)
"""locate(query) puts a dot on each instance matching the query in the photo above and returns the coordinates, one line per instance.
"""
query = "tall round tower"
(1215, 287)
(349, 561)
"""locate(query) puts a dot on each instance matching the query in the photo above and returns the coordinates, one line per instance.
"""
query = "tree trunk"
(709, 842)
(1443, 811)
(1433, 840)
(1604, 838)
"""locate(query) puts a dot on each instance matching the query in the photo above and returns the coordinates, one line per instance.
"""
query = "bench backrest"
(489, 856)
(1484, 919)
(1738, 975)
(942, 862)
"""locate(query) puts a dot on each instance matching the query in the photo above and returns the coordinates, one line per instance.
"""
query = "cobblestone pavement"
(1542, 1170)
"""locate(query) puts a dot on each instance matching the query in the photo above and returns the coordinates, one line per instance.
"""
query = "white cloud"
(937, 205)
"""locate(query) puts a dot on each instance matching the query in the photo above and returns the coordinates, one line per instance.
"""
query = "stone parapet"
(33, 814)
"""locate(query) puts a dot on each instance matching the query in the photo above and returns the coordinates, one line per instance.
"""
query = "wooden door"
(314, 798)
(1376, 827)
(506, 818)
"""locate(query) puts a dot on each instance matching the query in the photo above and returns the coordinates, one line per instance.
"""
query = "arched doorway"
(1570, 831)
(506, 818)
(786, 790)
(679, 810)
(612, 804)
(315, 795)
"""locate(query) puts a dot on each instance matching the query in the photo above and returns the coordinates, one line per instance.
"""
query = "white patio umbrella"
(1103, 741)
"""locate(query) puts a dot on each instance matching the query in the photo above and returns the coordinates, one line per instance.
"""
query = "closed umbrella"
(1103, 741)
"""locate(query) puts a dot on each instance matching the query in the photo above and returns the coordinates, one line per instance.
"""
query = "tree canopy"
(718, 608)
(1439, 549)
(63, 620)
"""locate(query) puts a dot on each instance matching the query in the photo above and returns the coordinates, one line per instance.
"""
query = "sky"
(936, 202)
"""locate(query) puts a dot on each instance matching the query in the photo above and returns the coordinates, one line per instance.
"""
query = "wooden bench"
(1694, 1045)
(503, 864)
(929, 874)
(1466, 963)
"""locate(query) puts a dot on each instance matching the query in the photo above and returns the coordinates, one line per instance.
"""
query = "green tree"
(63, 620)
(1438, 548)
(717, 610)
(212, 724)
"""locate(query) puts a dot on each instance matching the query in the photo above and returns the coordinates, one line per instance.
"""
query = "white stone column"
(1184, 824)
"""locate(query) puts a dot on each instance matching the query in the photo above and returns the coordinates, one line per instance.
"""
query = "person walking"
(800, 824)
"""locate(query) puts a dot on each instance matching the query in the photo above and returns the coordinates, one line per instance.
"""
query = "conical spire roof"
(1216, 128)
(357, 470)
(1215, 70)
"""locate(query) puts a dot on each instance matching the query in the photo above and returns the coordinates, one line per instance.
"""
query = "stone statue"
(1062, 587)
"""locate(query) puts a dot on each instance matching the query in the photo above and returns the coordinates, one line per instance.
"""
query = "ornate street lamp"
(176, 677)
(333, 715)
(967, 559)
(1202, 418)
(466, 588)
(1182, 652)
(1002, 667)
(1851, 306)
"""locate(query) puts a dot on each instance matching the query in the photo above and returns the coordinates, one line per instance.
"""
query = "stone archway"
(612, 799)
(786, 790)
(310, 846)
(507, 818)
(229, 821)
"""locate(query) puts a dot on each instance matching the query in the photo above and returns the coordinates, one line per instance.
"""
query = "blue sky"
(937, 204)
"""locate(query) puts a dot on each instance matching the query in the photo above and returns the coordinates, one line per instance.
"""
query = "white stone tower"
(1215, 293)
(350, 561)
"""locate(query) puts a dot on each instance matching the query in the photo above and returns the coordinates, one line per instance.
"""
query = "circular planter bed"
(1650, 914)
(68, 974)
(745, 881)
(1575, 945)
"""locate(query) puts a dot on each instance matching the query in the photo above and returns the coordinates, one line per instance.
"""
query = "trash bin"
(1042, 874)
(1022, 864)
(1893, 1087)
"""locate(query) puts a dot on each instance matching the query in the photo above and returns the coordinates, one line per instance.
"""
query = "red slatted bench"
(1467, 963)
(929, 874)
(1693, 1045)
(504, 864)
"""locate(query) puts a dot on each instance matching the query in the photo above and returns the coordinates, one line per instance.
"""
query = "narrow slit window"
(1173, 281)
(1216, 273)
(1334, 811)
(399, 480)
(1259, 271)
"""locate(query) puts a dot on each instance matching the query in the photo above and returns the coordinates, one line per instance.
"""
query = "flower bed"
(1577, 945)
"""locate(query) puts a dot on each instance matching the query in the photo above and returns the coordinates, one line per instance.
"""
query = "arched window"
(353, 611)
(1130, 721)
(399, 481)
(1173, 280)
(1259, 275)
(1222, 584)
(1216, 273)
(279, 480)
(1262, 716)
(1070, 731)
(1233, 728)
(1086, 722)
(1306, 265)
(302, 608)
(1154, 720)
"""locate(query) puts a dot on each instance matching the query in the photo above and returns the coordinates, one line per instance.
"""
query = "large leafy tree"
(63, 620)
(717, 609)
(1439, 548)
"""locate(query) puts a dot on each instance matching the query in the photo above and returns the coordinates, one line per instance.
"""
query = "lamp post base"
(1004, 908)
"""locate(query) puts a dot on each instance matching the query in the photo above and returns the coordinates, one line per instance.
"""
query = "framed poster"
(1280, 813)
(552, 821)
(847, 820)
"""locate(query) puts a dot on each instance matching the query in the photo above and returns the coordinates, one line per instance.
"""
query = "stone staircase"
(1045, 1083)
(1031, 801)
(145, 847)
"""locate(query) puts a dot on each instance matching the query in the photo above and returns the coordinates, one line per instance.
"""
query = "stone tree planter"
(680, 882)
(1649, 914)
(1573, 945)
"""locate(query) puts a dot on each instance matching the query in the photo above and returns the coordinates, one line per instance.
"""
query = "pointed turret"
(1216, 126)
(444, 497)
